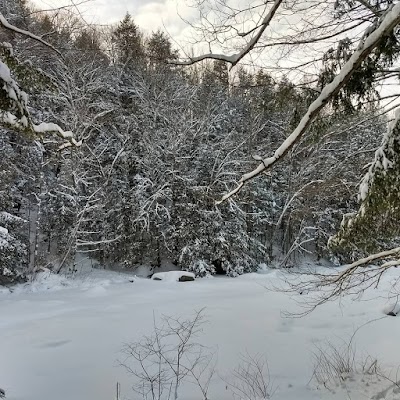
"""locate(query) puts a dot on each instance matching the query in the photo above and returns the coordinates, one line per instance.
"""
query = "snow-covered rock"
(174, 276)
(391, 309)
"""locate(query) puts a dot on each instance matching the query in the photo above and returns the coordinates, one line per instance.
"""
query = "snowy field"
(61, 339)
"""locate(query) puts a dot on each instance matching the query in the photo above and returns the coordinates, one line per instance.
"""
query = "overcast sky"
(151, 15)
(148, 14)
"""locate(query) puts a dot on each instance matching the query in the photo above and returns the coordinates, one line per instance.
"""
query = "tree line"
(158, 145)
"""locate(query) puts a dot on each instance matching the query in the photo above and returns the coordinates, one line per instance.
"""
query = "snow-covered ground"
(60, 339)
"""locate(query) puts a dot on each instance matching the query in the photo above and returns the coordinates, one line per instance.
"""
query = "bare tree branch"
(369, 7)
(370, 258)
(235, 58)
(365, 47)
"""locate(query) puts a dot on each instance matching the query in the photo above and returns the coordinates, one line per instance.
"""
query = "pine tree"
(159, 49)
(375, 226)
(128, 42)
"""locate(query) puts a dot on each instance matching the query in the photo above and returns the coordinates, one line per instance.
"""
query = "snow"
(46, 281)
(60, 338)
(5, 73)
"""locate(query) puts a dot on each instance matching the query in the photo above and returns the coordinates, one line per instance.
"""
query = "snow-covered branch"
(367, 44)
(5, 24)
(382, 159)
(351, 269)
(16, 113)
(235, 58)
(353, 279)
(50, 127)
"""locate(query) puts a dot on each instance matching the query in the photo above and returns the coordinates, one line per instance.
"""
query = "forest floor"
(61, 338)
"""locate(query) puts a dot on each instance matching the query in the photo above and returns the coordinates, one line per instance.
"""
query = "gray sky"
(151, 15)
(148, 14)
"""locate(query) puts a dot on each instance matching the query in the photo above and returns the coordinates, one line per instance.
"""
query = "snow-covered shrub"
(205, 258)
(201, 268)
(240, 263)
(222, 256)
(232, 270)
(191, 260)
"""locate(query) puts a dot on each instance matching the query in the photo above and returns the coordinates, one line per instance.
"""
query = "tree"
(14, 110)
(156, 145)
(216, 75)
(372, 37)
(379, 208)
(159, 49)
(16, 11)
(347, 78)
(128, 42)
(22, 155)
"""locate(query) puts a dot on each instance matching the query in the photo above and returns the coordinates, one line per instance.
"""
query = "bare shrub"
(251, 379)
(170, 357)
(334, 364)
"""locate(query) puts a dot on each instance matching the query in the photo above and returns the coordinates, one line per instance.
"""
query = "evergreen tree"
(159, 49)
(128, 42)
(375, 226)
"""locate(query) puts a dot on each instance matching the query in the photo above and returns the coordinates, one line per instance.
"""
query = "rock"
(186, 278)
(2, 393)
(174, 276)
(392, 309)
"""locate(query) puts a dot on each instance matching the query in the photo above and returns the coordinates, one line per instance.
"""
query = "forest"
(265, 149)
(156, 143)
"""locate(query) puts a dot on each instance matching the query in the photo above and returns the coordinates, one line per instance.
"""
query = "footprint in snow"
(54, 344)
(286, 325)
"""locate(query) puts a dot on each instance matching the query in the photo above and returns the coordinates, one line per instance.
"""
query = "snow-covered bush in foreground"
(251, 379)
